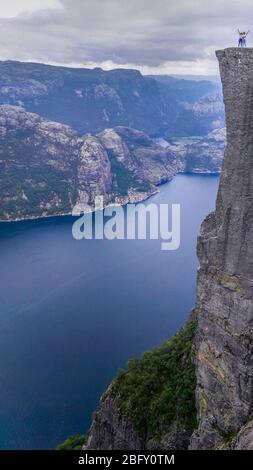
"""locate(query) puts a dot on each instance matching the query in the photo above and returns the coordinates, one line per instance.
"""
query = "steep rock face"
(151, 405)
(244, 439)
(223, 346)
(38, 165)
(46, 168)
(224, 306)
(94, 176)
(134, 150)
(112, 430)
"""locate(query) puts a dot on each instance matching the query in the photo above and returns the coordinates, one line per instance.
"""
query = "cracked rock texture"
(224, 346)
(111, 430)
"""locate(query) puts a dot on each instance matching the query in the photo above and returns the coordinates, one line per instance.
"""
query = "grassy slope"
(160, 387)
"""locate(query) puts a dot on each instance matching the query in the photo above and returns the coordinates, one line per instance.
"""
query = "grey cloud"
(138, 32)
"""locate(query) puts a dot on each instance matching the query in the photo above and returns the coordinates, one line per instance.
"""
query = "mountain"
(187, 90)
(90, 100)
(195, 392)
(47, 168)
(197, 78)
(199, 105)
(202, 154)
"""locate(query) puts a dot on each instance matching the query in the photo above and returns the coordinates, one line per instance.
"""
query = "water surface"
(73, 312)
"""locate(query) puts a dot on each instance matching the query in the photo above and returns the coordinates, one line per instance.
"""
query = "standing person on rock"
(242, 38)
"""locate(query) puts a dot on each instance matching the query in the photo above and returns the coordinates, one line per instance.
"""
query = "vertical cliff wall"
(224, 345)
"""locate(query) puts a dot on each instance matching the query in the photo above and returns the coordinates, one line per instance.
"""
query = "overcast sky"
(156, 36)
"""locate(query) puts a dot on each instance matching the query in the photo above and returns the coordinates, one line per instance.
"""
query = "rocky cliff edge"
(223, 346)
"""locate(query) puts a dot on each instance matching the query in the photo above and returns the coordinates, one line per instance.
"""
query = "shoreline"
(122, 203)
(70, 214)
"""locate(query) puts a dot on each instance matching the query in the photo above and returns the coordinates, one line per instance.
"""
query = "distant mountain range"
(67, 135)
(195, 78)
(89, 100)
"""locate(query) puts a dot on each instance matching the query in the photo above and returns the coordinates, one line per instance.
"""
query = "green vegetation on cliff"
(123, 178)
(72, 443)
(160, 387)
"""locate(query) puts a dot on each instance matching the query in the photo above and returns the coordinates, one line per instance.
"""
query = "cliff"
(224, 306)
(46, 168)
(151, 405)
(222, 349)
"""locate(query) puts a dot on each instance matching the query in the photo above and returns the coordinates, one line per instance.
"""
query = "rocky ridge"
(90, 100)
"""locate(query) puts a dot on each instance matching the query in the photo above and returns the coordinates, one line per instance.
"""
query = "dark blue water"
(73, 312)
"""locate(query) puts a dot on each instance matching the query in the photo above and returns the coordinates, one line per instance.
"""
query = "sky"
(154, 36)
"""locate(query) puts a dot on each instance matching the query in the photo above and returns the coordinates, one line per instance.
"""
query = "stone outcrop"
(112, 430)
(224, 346)
(151, 405)
(244, 439)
